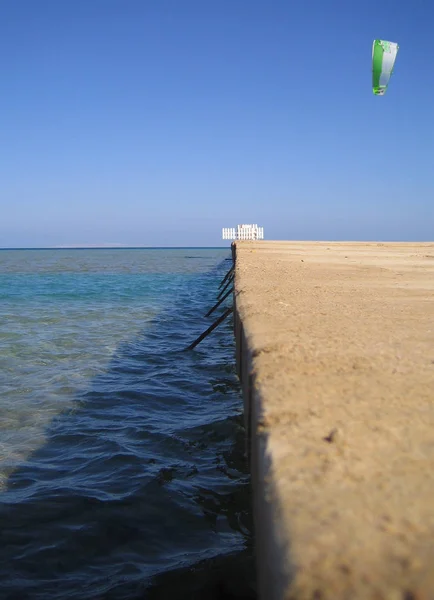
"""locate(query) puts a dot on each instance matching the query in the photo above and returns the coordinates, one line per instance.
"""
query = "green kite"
(383, 60)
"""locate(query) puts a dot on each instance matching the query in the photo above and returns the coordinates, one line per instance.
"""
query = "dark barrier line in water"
(230, 280)
(226, 276)
(230, 274)
(210, 329)
(211, 310)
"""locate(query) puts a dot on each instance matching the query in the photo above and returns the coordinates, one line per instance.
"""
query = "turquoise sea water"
(122, 472)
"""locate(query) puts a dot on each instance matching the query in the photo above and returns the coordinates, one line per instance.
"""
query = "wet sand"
(337, 366)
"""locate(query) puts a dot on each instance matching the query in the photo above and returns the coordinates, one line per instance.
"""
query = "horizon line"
(106, 247)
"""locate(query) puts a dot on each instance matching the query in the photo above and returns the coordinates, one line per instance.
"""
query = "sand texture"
(339, 346)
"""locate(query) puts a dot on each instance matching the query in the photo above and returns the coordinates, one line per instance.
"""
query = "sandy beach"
(340, 352)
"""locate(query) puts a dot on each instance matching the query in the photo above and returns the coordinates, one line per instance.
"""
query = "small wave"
(125, 475)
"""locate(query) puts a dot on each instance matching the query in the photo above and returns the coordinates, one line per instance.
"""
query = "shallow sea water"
(122, 469)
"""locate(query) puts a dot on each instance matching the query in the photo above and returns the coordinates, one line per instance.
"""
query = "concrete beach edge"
(335, 515)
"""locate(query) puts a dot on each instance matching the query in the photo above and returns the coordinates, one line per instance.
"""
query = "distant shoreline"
(115, 248)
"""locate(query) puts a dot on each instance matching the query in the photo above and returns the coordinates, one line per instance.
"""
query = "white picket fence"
(243, 232)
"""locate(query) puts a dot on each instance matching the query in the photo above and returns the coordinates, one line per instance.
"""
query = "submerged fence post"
(211, 310)
(211, 328)
(228, 283)
(226, 276)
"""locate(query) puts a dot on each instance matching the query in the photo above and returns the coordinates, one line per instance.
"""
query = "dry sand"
(340, 345)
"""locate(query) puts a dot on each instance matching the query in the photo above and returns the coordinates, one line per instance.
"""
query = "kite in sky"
(383, 60)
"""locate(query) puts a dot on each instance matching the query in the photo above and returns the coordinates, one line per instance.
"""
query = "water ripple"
(121, 455)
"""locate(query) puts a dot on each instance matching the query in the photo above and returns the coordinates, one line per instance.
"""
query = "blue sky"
(158, 122)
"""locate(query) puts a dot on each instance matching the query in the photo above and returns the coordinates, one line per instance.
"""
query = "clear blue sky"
(157, 122)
